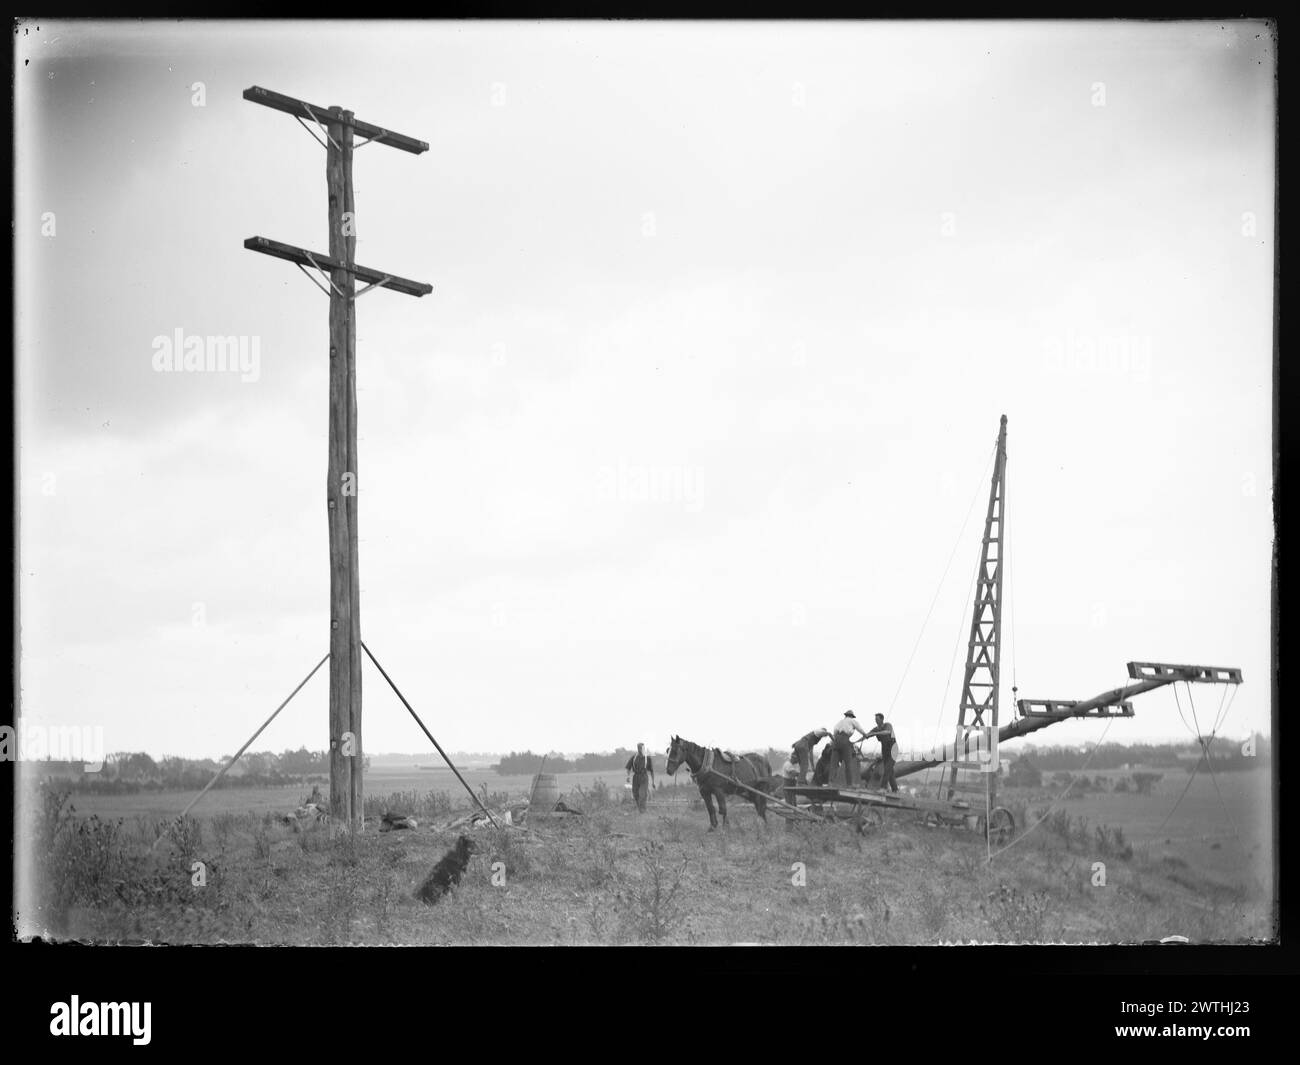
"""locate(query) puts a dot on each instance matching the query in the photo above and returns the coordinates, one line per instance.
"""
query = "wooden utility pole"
(342, 484)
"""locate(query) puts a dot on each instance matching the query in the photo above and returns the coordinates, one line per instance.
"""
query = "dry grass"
(613, 876)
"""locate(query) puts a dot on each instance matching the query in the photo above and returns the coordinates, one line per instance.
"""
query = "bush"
(650, 904)
(1024, 774)
(1144, 782)
(411, 803)
(507, 848)
(1111, 843)
(1015, 916)
(596, 797)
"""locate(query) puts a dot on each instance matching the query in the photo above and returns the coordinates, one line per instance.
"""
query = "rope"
(1191, 703)
(1204, 741)
(222, 771)
(1179, 704)
(1060, 798)
(533, 790)
(939, 588)
(450, 764)
(1190, 777)
(1209, 764)
(988, 825)
(1011, 597)
(952, 664)
(1223, 710)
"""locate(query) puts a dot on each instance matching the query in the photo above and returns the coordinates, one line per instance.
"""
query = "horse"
(721, 778)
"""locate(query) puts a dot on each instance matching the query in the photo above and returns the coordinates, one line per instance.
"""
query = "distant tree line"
(1226, 752)
(134, 771)
(525, 763)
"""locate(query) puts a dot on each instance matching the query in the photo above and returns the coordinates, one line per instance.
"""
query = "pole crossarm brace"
(1040, 713)
(323, 262)
(1202, 674)
(1066, 707)
(301, 109)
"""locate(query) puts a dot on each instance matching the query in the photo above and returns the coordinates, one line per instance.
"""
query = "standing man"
(884, 732)
(790, 777)
(803, 751)
(640, 769)
(841, 737)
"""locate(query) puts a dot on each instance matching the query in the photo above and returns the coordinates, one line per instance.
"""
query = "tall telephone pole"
(339, 268)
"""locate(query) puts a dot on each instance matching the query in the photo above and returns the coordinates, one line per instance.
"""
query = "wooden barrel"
(545, 794)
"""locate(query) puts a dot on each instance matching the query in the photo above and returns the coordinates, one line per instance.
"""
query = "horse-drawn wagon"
(978, 736)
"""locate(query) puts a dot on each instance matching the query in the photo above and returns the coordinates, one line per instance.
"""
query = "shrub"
(600, 862)
(1015, 916)
(650, 904)
(596, 797)
(1110, 843)
(1144, 782)
(932, 908)
(1024, 774)
(428, 805)
(186, 834)
(262, 838)
(506, 847)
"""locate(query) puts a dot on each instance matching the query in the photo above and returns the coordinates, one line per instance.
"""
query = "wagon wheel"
(1000, 827)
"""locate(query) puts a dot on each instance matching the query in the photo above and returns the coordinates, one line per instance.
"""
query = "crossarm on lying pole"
(411, 710)
(1039, 713)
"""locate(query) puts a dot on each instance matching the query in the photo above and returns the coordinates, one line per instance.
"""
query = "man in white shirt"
(790, 777)
(845, 755)
(641, 775)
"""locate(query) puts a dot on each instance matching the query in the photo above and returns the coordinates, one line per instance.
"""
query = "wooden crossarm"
(1055, 707)
(315, 258)
(1202, 674)
(300, 109)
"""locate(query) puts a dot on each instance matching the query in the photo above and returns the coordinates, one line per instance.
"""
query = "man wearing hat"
(845, 755)
(803, 751)
(884, 732)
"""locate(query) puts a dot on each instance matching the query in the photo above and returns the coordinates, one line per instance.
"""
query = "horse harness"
(726, 757)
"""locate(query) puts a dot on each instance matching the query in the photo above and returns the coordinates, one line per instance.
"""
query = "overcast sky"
(723, 320)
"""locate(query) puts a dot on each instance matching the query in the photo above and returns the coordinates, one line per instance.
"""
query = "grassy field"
(380, 781)
(613, 876)
(1222, 826)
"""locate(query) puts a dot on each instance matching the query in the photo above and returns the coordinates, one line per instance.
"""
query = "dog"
(447, 873)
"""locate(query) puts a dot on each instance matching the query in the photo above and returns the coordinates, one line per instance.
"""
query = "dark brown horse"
(719, 778)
